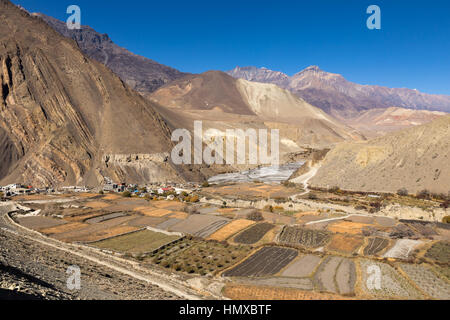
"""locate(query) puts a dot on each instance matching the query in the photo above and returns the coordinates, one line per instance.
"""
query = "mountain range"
(339, 97)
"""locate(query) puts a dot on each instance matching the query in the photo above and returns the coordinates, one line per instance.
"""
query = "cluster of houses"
(166, 190)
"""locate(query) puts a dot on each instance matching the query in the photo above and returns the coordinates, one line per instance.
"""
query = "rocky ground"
(35, 271)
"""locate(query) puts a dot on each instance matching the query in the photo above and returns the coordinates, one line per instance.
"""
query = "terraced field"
(304, 237)
(200, 225)
(266, 262)
(336, 275)
(346, 244)
(402, 249)
(230, 229)
(302, 267)
(254, 233)
(392, 284)
(439, 252)
(201, 257)
(427, 281)
(137, 242)
(375, 246)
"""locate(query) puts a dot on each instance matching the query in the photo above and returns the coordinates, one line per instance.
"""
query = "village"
(152, 191)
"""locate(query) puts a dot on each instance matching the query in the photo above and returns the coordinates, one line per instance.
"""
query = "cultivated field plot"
(276, 218)
(146, 221)
(40, 222)
(97, 204)
(63, 228)
(243, 292)
(93, 232)
(402, 248)
(144, 241)
(336, 275)
(230, 229)
(302, 267)
(266, 262)
(385, 222)
(153, 212)
(423, 227)
(200, 225)
(305, 237)
(427, 281)
(201, 257)
(253, 190)
(391, 285)
(167, 224)
(375, 246)
(349, 227)
(254, 233)
(106, 217)
(345, 243)
(294, 283)
(439, 251)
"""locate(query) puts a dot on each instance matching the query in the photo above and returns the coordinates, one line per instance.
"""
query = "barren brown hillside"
(66, 119)
(415, 158)
(223, 102)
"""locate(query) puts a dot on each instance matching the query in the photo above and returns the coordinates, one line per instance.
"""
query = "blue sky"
(411, 50)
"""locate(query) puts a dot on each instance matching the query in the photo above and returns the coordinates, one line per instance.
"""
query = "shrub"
(445, 204)
(1, 194)
(268, 208)
(255, 215)
(205, 184)
(402, 192)
(424, 194)
(312, 196)
(126, 194)
(446, 219)
(194, 199)
(334, 189)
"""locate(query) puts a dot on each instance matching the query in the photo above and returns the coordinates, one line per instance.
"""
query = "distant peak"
(313, 68)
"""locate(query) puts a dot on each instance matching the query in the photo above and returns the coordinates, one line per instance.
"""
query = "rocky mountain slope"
(140, 73)
(224, 102)
(416, 158)
(66, 119)
(339, 97)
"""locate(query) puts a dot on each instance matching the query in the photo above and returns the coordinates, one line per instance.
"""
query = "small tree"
(424, 194)
(1, 194)
(255, 215)
(126, 194)
(402, 192)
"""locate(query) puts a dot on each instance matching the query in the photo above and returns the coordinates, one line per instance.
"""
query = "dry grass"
(152, 212)
(97, 205)
(345, 243)
(347, 227)
(170, 205)
(107, 233)
(245, 292)
(111, 197)
(230, 229)
(179, 215)
(64, 228)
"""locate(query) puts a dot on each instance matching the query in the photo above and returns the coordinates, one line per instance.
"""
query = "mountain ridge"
(340, 97)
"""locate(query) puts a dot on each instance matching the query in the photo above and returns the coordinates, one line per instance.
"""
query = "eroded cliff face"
(60, 112)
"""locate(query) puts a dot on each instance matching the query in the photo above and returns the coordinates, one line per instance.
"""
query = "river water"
(272, 174)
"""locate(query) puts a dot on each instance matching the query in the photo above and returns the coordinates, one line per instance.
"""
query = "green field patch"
(136, 242)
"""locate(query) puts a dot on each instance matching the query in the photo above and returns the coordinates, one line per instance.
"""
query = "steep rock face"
(416, 158)
(341, 98)
(142, 74)
(60, 112)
